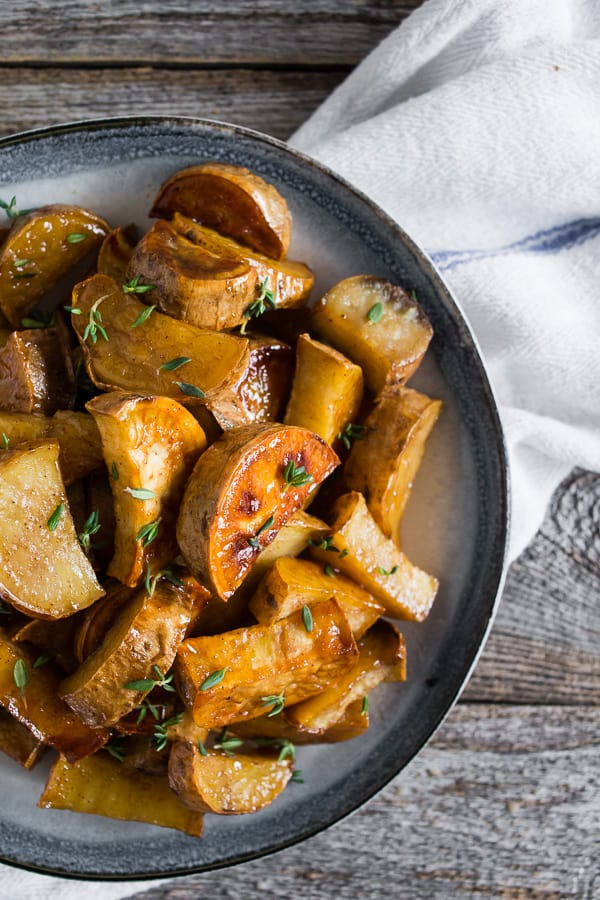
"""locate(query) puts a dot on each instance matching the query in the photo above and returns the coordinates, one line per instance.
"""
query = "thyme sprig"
(133, 286)
(147, 684)
(226, 743)
(55, 517)
(266, 299)
(11, 208)
(286, 747)
(350, 433)
(254, 541)
(391, 571)
(116, 747)
(160, 738)
(213, 679)
(94, 327)
(150, 581)
(295, 476)
(149, 532)
(276, 701)
(91, 527)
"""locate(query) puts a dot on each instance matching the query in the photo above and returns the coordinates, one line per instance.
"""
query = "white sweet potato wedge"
(290, 281)
(139, 358)
(373, 561)
(94, 623)
(143, 639)
(239, 496)
(378, 325)
(226, 785)
(264, 389)
(232, 200)
(102, 786)
(43, 570)
(77, 435)
(191, 283)
(293, 583)
(382, 657)
(254, 668)
(38, 706)
(41, 247)
(276, 730)
(115, 252)
(327, 389)
(384, 463)
(150, 446)
(36, 373)
(54, 640)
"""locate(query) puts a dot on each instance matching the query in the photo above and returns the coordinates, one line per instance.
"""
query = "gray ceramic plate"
(455, 526)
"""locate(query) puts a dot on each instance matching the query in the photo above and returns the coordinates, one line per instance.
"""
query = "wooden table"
(505, 800)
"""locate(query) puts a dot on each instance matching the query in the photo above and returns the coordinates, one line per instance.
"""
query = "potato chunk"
(191, 283)
(274, 731)
(115, 253)
(226, 785)
(376, 324)
(36, 373)
(375, 562)
(150, 446)
(234, 201)
(43, 570)
(293, 583)
(327, 389)
(18, 742)
(384, 463)
(41, 247)
(264, 389)
(240, 494)
(144, 638)
(261, 664)
(102, 786)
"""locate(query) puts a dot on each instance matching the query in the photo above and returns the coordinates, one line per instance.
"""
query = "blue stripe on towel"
(550, 240)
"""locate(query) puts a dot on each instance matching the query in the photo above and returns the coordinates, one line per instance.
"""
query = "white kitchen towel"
(476, 126)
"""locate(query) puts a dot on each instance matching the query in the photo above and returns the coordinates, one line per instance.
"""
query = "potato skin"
(236, 488)
(36, 372)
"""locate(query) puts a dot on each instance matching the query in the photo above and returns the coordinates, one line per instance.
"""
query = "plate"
(455, 526)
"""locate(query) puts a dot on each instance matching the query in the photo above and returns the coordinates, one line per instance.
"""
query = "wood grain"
(171, 32)
(503, 803)
(273, 102)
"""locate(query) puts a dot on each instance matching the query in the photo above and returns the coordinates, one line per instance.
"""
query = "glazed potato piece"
(41, 247)
(18, 742)
(378, 325)
(77, 435)
(102, 786)
(327, 389)
(254, 668)
(43, 570)
(189, 282)
(226, 785)
(94, 623)
(36, 373)
(150, 446)
(276, 730)
(382, 657)
(143, 639)
(54, 640)
(115, 253)
(238, 498)
(293, 583)
(290, 282)
(233, 201)
(135, 356)
(265, 387)
(384, 463)
(375, 562)
(37, 705)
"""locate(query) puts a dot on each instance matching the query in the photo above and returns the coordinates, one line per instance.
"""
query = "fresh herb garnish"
(365, 706)
(148, 533)
(297, 777)
(19, 263)
(74, 310)
(226, 743)
(42, 660)
(21, 674)
(307, 618)
(213, 679)
(160, 737)
(286, 746)
(176, 363)
(253, 541)
(95, 327)
(5, 441)
(144, 706)
(147, 684)
(190, 390)
(54, 519)
(201, 748)
(350, 433)
(116, 748)
(329, 571)
(151, 580)
(114, 472)
(143, 316)
(91, 526)
(375, 313)
(277, 701)
(140, 493)
(76, 237)
(326, 543)
(28, 322)
(266, 298)
(391, 571)
(133, 286)
(295, 476)
(11, 208)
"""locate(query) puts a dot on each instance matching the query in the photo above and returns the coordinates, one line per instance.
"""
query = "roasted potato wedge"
(93, 624)
(77, 435)
(241, 674)
(231, 200)
(277, 730)
(264, 389)
(36, 373)
(42, 246)
(150, 446)
(378, 325)
(293, 583)
(375, 562)
(223, 784)
(54, 640)
(43, 570)
(102, 786)
(191, 283)
(384, 463)
(241, 493)
(140, 358)
(290, 282)
(38, 706)
(18, 742)
(327, 389)
(143, 639)
(115, 252)
(382, 657)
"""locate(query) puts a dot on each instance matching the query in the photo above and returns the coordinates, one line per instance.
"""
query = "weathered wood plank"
(502, 803)
(545, 644)
(172, 32)
(273, 102)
